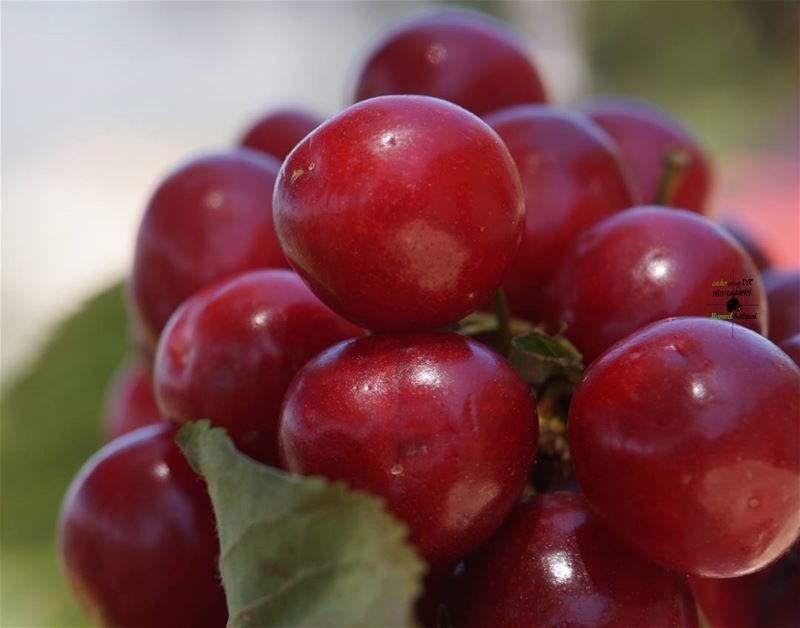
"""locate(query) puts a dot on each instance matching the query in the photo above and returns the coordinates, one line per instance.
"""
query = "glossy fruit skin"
(554, 563)
(438, 425)
(791, 347)
(230, 351)
(643, 265)
(684, 439)
(783, 294)
(461, 56)
(137, 537)
(770, 597)
(645, 134)
(209, 219)
(130, 402)
(572, 177)
(278, 132)
(749, 244)
(401, 213)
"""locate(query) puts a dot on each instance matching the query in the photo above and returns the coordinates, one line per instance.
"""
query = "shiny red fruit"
(438, 425)
(684, 439)
(461, 56)
(791, 347)
(645, 134)
(278, 132)
(572, 177)
(130, 403)
(749, 244)
(553, 563)
(229, 353)
(137, 536)
(783, 294)
(768, 598)
(646, 264)
(210, 218)
(401, 213)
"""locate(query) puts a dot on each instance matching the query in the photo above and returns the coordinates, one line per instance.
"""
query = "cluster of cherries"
(258, 270)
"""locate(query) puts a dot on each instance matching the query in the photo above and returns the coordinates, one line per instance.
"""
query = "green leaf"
(50, 425)
(480, 324)
(539, 357)
(298, 551)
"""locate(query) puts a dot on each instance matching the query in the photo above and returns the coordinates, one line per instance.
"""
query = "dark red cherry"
(684, 439)
(783, 295)
(137, 536)
(210, 218)
(645, 134)
(791, 347)
(646, 264)
(428, 608)
(749, 244)
(767, 598)
(130, 403)
(401, 213)
(279, 131)
(230, 351)
(438, 425)
(554, 563)
(725, 602)
(461, 56)
(572, 177)
(779, 604)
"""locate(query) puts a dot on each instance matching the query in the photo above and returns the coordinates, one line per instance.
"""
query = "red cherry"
(684, 439)
(779, 587)
(754, 250)
(725, 602)
(208, 219)
(137, 536)
(130, 403)
(438, 425)
(461, 56)
(646, 264)
(279, 131)
(783, 295)
(645, 135)
(428, 605)
(770, 597)
(553, 563)
(572, 177)
(791, 347)
(230, 351)
(401, 213)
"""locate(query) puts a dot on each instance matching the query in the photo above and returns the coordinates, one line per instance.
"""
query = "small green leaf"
(51, 420)
(480, 324)
(298, 551)
(539, 357)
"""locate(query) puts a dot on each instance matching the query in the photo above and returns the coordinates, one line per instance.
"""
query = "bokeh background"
(99, 100)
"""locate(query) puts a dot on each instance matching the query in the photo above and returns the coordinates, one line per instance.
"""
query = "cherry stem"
(674, 164)
(503, 321)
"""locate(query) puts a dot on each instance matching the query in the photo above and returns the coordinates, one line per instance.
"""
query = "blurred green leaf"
(728, 68)
(539, 357)
(50, 426)
(298, 551)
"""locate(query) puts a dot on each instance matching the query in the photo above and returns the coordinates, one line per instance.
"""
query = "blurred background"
(100, 100)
